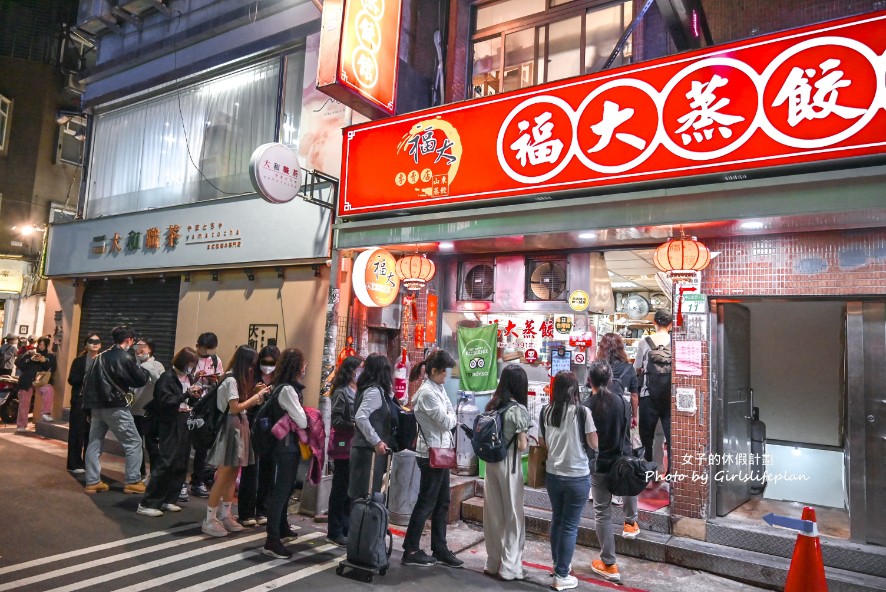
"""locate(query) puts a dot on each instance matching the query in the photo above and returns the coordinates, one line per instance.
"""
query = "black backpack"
(261, 438)
(205, 419)
(658, 371)
(487, 437)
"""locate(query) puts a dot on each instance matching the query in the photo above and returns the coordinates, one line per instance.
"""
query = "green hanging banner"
(477, 348)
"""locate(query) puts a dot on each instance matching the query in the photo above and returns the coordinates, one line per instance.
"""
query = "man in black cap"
(653, 366)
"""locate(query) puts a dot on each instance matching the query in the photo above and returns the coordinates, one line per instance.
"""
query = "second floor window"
(520, 43)
(5, 121)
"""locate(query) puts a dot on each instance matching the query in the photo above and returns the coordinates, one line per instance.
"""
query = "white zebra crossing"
(215, 583)
(88, 550)
(158, 563)
(148, 584)
(67, 574)
(295, 576)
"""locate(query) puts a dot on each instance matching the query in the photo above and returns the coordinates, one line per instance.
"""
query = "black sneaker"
(199, 490)
(275, 548)
(448, 559)
(418, 558)
(289, 535)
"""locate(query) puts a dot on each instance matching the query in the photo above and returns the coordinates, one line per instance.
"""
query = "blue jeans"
(119, 421)
(568, 497)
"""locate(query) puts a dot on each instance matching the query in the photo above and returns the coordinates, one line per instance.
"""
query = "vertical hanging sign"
(359, 47)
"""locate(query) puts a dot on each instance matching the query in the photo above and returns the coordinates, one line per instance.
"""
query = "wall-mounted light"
(187, 277)
(249, 275)
(280, 273)
(215, 276)
(107, 279)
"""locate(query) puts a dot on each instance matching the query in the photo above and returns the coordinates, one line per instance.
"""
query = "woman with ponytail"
(612, 416)
(565, 423)
(436, 419)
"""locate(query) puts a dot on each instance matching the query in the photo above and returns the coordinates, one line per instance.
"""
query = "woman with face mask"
(256, 480)
(144, 353)
(344, 391)
(78, 427)
(436, 419)
(169, 405)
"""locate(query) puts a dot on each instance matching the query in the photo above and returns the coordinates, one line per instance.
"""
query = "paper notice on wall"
(687, 358)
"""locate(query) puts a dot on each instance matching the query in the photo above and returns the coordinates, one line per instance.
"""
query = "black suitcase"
(370, 541)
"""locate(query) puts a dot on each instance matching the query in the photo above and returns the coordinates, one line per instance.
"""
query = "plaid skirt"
(232, 447)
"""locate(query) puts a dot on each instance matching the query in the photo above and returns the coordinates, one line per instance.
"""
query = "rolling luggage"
(370, 541)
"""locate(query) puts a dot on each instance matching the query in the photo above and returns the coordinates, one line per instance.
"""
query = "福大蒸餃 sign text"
(800, 96)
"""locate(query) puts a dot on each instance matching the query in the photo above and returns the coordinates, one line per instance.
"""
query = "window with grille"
(520, 43)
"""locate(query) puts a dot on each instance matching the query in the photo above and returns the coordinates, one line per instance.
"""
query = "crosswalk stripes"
(148, 584)
(295, 576)
(158, 563)
(254, 569)
(67, 571)
(88, 550)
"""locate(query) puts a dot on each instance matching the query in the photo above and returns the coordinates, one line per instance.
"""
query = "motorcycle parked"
(9, 399)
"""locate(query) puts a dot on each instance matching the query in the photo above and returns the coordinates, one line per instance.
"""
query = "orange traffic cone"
(806, 573)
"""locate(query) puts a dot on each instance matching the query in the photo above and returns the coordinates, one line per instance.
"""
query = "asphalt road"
(55, 537)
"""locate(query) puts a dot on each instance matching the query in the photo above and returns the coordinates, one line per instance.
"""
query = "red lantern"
(682, 254)
(415, 271)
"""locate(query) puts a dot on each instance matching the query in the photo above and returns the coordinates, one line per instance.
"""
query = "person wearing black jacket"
(78, 427)
(344, 391)
(169, 408)
(106, 396)
(31, 363)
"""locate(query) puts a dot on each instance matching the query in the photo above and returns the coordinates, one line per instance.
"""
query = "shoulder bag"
(629, 475)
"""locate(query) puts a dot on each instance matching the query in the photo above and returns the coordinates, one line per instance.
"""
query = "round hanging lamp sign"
(275, 173)
(374, 279)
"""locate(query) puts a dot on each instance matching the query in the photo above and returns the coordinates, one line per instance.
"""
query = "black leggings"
(651, 411)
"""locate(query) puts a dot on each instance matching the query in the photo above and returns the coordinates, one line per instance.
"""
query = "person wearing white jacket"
(436, 419)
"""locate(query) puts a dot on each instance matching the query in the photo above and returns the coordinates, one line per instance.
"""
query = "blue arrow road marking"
(804, 526)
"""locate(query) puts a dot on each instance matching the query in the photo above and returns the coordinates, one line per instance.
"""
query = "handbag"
(42, 379)
(628, 474)
(537, 467)
(439, 457)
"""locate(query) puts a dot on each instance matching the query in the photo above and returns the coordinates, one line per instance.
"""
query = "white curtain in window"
(140, 154)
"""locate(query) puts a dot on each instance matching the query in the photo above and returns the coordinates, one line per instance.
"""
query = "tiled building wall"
(834, 263)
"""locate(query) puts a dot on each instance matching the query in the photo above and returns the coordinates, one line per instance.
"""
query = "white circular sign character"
(275, 173)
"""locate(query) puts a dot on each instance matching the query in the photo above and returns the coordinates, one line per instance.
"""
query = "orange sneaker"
(609, 572)
(96, 487)
(631, 531)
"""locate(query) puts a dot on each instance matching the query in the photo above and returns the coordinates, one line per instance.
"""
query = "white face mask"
(357, 374)
(267, 369)
(143, 357)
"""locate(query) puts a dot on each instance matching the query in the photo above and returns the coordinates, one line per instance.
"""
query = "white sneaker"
(617, 501)
(143, 511)
(46, 417)
(170, 508)
(567, 583)
(214, 528)
(230, 524)
(21, 430)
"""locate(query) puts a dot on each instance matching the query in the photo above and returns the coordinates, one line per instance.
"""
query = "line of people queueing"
(364, 424)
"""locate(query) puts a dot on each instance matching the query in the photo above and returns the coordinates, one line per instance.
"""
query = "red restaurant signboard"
(799, 96)
(359, 54)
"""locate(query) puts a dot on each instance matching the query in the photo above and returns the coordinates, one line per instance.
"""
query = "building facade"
(521, 219)
(171, 237)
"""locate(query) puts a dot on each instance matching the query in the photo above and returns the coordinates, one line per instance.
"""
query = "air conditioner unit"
(545, 280)
(96, 18)
(476, 280)
(73, 84)
(142, 7)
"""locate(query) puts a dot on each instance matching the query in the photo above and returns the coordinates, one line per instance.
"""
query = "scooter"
(9, 399)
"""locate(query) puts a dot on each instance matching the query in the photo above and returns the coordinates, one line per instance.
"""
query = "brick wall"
(835, 263)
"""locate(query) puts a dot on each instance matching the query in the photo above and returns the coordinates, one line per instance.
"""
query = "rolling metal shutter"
(147, 305)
